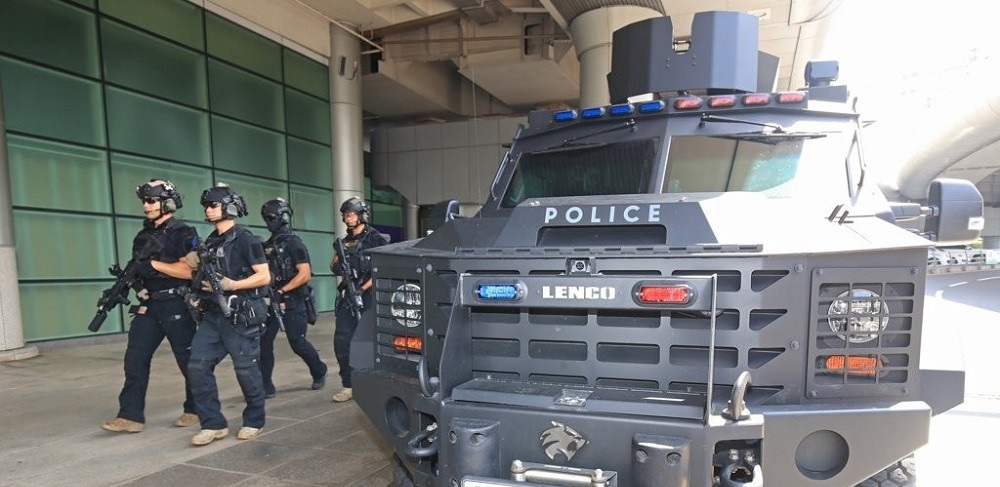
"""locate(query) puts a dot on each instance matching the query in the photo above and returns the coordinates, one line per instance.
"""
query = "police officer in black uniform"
(160, 247)
(242, 276)
(359, 240)
(288, 259)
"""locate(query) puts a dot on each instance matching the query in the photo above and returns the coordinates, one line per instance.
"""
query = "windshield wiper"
(572, 143)
(778, 129)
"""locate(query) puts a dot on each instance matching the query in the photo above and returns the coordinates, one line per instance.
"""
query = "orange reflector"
(756, 99)
(791, 97)
(722, 101)
(687, 103)
(664, 294)
(408, 344)
(856, 364)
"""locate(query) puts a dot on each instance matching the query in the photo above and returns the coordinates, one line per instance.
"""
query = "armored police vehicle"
(698, 287)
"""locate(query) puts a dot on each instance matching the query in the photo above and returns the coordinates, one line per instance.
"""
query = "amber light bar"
(863, 365)
(408, 344)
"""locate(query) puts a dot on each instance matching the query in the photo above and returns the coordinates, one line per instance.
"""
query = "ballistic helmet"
(358, 206)
(233, 205)
(162, 190)
(276, 213)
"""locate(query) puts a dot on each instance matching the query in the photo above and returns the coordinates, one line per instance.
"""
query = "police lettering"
(578, 292)
(603, 214)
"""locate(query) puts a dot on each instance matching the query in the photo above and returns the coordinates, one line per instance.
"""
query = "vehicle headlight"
(857, 315)
(405, 305)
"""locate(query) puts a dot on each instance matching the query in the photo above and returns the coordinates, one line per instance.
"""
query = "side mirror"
(957, 212)
(441, 213)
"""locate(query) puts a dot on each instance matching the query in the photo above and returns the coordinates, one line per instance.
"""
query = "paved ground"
(51, 408)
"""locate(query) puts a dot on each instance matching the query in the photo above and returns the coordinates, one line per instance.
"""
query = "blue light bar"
(623, 109)
(564, 115)
(498, 292)
(652, 106)
(593, 112)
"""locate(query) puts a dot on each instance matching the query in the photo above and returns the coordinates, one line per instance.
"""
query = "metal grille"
(862, 334)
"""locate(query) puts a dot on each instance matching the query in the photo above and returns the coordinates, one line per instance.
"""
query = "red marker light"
(687, 103)
(756, 99)
(722, 101)
(791, 97)
(408, 344)
(664, 294)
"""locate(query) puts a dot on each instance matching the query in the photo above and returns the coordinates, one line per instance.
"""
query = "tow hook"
(740, 471)
(413, 448)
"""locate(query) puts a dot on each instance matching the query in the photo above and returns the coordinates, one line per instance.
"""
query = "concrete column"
(11, 334)
(991, 232)
(412, 217)
(345, 119)
(591, 32)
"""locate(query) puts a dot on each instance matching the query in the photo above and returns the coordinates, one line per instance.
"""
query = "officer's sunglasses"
(212, 204)
(271, 218)
(150, 201)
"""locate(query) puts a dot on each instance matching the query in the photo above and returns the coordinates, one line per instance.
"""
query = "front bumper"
(821, 445)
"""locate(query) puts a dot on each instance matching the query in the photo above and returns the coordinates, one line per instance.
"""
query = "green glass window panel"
(243, 47)
(44, 239)
(179, 20)
(368, 188)
(49, 103)
(152, 65)
(87, 3)
(246, 96)
(320, 247)
(58, 176)
(387, 196)
(307, 75)
(313, 209)
(324, 290)
(309, 162)
(126, 230)
(307, 117)
(63, 310)
(245, 148)
(255, 192)
(128, 172)
(50, 32)
(387, 215)
(154, 127)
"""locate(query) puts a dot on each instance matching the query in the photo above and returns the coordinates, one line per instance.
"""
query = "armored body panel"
(691, 291)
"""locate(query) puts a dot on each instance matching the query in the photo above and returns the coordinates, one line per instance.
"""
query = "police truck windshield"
(616, 168)
(776, 163)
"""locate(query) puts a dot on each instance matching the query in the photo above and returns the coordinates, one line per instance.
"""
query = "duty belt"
(162, 294)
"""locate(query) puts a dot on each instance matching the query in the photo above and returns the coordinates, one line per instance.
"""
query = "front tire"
(400, 476)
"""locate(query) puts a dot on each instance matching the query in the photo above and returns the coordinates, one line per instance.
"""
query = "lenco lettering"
(603, 214)
(578, 292)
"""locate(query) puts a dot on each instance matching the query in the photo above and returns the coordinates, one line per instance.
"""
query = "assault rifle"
(125, 279)
(276, 309)
(209, 270)
(348, 280)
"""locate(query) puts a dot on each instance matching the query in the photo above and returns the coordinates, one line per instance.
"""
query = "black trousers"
(346, 325)
(295, 331)
(158, 320)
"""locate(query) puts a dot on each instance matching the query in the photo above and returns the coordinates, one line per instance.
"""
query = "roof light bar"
(592, 112)
(564, 115)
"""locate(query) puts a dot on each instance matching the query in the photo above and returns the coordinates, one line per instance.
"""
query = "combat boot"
(121, 424)
(345, 394)
(205, 437)
(186, 419)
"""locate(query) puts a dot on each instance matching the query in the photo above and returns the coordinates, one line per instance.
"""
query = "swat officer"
(359, 240)
(233, 313)
(288, 260)
(160, 248)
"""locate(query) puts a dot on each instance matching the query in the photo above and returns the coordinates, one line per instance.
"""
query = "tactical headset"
(233, 205)
(358, 206)
(170, 199)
